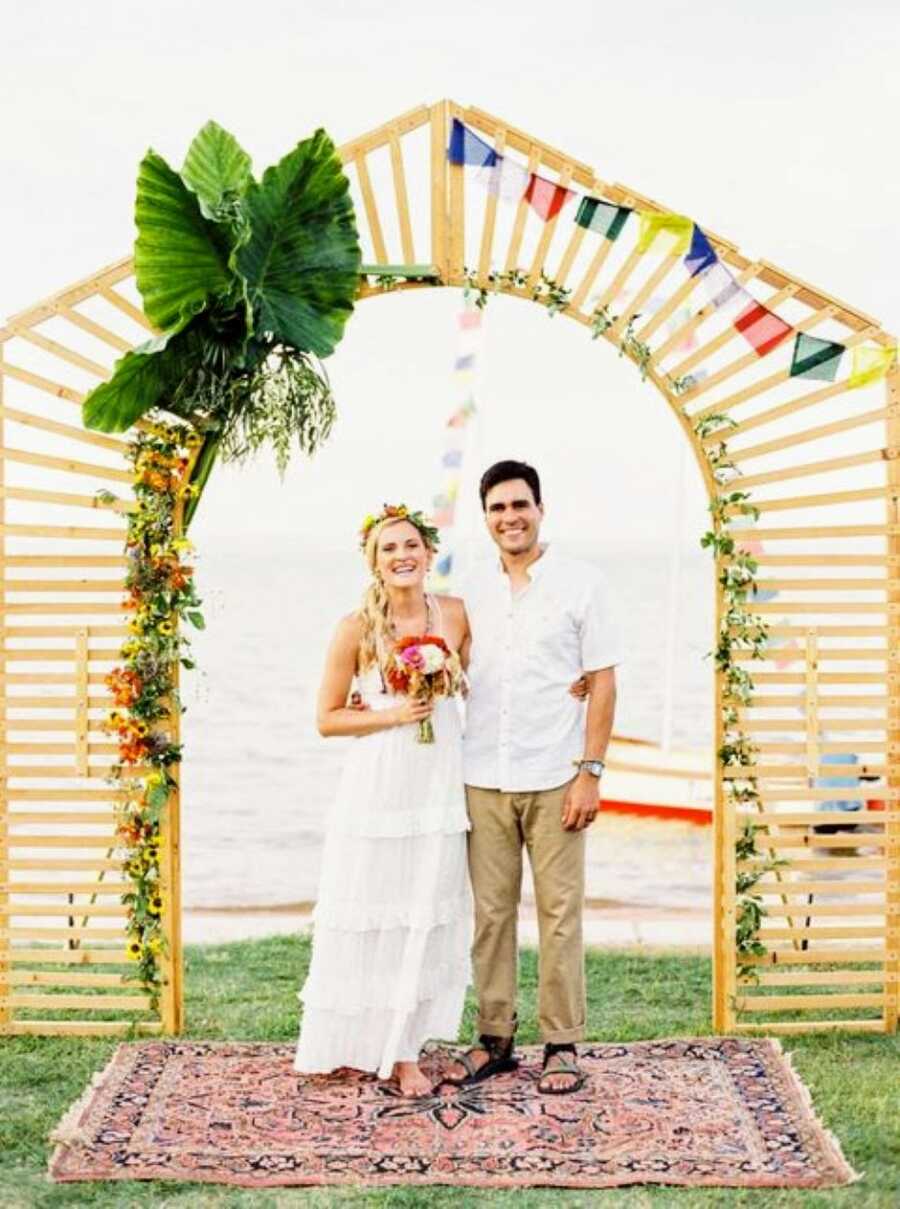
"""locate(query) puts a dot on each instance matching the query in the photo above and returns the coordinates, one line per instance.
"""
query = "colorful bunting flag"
(467, 148)
(465, 362)
(469, 320)
(674, 228)
(701, 254)
(815, 358)
(600, 216)
(453, 457)
(869, 364)
(761, 328)
(720, 289)
(506, 178)
(545, 197)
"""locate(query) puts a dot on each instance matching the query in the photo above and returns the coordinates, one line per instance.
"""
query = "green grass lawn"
(247, 991)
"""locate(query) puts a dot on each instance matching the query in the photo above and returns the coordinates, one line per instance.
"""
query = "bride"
(390, 959)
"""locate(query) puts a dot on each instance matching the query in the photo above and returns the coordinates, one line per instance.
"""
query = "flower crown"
(400, 512)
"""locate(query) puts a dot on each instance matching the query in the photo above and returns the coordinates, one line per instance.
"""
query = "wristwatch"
(594, 767)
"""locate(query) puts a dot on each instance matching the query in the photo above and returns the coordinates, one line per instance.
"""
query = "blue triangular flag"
(467, 148)
(701, 255)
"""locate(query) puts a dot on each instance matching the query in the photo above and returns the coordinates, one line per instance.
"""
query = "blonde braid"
(375, 611)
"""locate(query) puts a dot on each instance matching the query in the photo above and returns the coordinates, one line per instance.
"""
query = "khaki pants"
(501, 823)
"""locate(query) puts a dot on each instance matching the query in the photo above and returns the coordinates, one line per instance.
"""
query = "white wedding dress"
(393, 919)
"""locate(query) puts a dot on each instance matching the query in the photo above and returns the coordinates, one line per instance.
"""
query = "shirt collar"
(535, 569)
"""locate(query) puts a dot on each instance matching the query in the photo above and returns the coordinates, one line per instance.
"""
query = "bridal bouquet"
(426, 668)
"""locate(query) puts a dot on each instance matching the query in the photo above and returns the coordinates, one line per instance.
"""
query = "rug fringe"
(850, 1174)
(68, 1131)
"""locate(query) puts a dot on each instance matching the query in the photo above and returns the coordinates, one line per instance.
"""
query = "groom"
(533, 763)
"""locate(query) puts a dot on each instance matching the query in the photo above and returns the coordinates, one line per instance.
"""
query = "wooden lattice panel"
(829, 522)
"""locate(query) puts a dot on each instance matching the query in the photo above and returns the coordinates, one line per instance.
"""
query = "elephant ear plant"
(249, 283)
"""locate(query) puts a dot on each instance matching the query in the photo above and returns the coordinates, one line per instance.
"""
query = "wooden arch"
(828, 688)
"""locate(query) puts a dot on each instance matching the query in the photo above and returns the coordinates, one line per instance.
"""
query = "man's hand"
(581, 803)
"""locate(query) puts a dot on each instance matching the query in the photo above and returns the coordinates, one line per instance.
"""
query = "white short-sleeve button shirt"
(523, 727)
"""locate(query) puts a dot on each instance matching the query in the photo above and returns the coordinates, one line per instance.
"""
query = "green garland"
(740, 630)
(160, 594)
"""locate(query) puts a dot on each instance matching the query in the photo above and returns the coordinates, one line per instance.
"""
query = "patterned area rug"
(688, 1112)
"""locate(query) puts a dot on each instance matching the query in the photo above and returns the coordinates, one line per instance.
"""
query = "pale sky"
(771, 123)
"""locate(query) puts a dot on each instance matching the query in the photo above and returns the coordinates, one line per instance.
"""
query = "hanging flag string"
(665, 234)
(455, 439)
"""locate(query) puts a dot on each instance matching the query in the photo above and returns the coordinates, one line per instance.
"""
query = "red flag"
(762, 328)
(545, 197)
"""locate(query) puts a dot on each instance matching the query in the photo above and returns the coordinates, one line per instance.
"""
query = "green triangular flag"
(815, 358)
(602, 217)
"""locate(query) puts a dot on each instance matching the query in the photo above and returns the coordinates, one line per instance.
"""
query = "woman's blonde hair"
(375, 610)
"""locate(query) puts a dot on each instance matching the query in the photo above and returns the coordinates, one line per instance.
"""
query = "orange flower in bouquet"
(424, 667)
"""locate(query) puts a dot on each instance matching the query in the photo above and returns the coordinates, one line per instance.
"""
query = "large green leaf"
(141, 379)
(180, 259)
(215, 168)
(302, 259)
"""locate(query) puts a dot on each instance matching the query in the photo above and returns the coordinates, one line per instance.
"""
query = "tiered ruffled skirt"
(393, 920)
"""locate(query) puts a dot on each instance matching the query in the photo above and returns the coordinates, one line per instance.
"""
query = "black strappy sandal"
(500, 1060)
(561, 1068)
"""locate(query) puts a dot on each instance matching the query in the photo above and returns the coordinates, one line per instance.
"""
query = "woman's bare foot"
(411, 1079)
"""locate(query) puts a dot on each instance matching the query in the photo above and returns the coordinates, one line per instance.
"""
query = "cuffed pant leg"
(557, 863)
(495, 868)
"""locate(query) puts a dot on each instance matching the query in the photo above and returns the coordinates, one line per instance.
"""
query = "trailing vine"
(160, 593)
(741, 631)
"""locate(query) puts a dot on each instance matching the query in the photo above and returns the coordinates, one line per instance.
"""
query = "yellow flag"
(675, 227)
(869, 364)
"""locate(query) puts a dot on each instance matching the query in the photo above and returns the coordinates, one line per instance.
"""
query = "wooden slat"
(549, 230)
(489, 223)
(67, 465)
(66, 864)
(91, 1003)
(829, 956)
(522, 207)
(810, 469)
(812, 1026)
(67, 499)
(807, 1003)
(66, 533)
(598, 260)
(78, 980)
(818, 978)
(371, 208)
(56, 910)
(843, 932)
(63, 933)
(56, 389)
(402, 199)
(113, 339)
(108, 889)
(439, 133)
(23, 817)
(77, 292)
(892, 516)
(85, 436)
(81, 1028)
(61, 351)
(824, 500)
(820, 864)
(817, 433)
(67, 560)
(126, 307)
(830, 887)
(659, 274)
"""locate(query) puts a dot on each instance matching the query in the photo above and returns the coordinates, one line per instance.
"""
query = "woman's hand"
(413, 709)
(580, 689)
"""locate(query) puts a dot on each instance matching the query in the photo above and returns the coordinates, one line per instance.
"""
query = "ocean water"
(258, 779)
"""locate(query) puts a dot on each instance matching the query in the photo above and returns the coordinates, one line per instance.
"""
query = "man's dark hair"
(504, 472)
